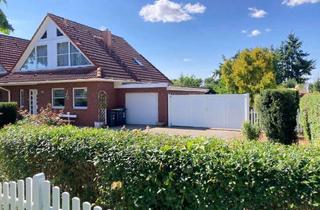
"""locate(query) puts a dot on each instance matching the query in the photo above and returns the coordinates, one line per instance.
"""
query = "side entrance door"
(33, 101)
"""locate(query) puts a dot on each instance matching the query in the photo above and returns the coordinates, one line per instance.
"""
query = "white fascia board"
(187, 89)
(141, 85)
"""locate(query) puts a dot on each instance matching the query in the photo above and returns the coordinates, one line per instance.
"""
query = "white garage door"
(142, 108)
(211, 111)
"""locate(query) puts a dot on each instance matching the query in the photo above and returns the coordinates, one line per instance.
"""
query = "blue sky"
(184, 36)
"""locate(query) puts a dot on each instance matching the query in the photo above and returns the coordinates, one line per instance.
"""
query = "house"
(85, 72)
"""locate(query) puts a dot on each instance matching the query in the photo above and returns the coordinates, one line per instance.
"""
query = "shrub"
(310, 115)
(46, 116)
(278, 113)
(8, 113)
(135, 170)
(251, 132)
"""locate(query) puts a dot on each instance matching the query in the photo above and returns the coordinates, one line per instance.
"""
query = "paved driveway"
(194, 132)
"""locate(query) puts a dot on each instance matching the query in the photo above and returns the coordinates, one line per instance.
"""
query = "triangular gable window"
(45, 35)
(59, 33)
(37, 59)
(69, 55)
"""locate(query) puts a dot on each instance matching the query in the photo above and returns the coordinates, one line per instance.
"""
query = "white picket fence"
(37, 194)
(254, 119)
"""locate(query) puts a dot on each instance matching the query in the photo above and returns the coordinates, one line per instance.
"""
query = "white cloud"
(244, 31)
(103, 28)
(168, 11)
(293, 3)
(254, 33)
(257, 13)
(195, 8)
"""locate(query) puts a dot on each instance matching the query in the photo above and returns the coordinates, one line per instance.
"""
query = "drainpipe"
(9, 93)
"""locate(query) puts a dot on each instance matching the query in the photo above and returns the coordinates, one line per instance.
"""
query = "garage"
(142, 108)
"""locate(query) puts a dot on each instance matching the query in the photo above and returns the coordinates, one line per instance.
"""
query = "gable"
(51, 49)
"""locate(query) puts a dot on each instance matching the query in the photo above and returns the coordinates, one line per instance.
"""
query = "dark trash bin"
(116, 117)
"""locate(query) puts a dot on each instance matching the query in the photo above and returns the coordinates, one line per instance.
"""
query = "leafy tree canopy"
(188, 81)
(293, 62)
(5, 26)
(250, 71)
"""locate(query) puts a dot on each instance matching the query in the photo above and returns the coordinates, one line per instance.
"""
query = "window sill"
(80, 108)
(58, 107)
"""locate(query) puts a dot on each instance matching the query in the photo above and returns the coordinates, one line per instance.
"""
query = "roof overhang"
(159, 85)
(61, 81)
(187, 89)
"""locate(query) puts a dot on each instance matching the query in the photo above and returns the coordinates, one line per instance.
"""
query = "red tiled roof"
(116, 63)
(11, 49)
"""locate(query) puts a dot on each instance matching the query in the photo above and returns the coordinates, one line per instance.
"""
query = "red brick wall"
(87, 117)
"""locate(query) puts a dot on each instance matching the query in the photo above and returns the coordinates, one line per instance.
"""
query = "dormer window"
(38, 58)
(59, 33)
(69, 55)
(2, 71)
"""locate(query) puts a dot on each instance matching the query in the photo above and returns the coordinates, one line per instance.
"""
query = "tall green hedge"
(8, 113)
(135, 170)
(310, 116)
(278, 110)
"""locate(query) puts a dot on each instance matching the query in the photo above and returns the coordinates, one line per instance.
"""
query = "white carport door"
(142, 108)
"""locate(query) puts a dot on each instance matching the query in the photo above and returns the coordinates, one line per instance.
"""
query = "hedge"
(8, 113)
(278, 110)
(310, 116)
(135, 170)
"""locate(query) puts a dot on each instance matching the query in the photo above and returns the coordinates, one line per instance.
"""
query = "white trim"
(9, 93)
(62, 81)
(142, 85)
(38, 41)
(187, 89)
(21, 98)
(73, 96)
(36, 104)
(52, 99)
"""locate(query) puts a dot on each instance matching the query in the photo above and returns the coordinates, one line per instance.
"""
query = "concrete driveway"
(186, 131)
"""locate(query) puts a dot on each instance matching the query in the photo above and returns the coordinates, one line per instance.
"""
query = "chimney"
(107, 38)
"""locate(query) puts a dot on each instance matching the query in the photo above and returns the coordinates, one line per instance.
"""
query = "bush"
(310, 116)
(251, 132)
(278, 113)
(135, 170)
(8, 113)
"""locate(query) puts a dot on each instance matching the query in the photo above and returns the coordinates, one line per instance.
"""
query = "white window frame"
(36, 58)
(73, 98)
(52, 98)
(21, 98)
(69, 56)
(69, 59)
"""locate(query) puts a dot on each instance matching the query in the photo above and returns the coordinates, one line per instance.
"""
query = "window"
(21, 98)
(59, 33)
(2, 71)
(63, 54)
(69, 55)
(37, 59)
(44, 36)
(137, 61)
(80, 99)
(58, 98)
(77, 59)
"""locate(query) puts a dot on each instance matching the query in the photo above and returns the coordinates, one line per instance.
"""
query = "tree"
(293, 62)
(188, 81)
(215, 85)
(250, 71)
(5, 26)
(315, 87)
